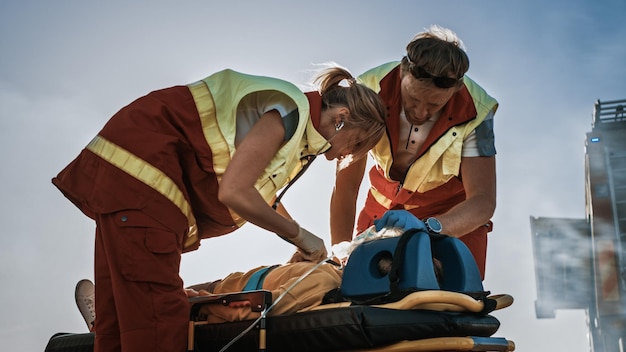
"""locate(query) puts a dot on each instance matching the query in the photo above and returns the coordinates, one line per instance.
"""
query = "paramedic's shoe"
(86, 301)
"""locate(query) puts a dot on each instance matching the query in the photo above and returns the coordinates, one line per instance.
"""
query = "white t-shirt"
(254, 105)
(479, 142)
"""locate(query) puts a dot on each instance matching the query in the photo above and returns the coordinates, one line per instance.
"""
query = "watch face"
(433, 225)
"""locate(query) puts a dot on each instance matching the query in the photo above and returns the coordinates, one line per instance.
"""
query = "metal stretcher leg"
(262, 335)
(258, 301)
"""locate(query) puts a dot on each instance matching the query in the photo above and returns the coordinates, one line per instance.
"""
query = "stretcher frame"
(430, 304)
(258, 301)
(410, 309)
(437, 302)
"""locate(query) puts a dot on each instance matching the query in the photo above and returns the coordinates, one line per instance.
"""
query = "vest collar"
(316, 143)
(459, 110)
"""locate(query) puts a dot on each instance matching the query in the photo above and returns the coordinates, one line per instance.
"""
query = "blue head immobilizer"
(412, 266)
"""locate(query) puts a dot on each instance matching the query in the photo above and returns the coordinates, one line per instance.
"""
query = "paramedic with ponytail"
(435, 166)
(191, 162)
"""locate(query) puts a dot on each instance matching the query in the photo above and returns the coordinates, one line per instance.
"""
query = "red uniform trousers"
(476, 241)
(140, 302)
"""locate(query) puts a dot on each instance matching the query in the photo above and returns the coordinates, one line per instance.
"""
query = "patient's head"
(438, 269)
(385, 261)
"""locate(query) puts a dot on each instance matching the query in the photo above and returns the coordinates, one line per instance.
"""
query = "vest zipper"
(400, 184)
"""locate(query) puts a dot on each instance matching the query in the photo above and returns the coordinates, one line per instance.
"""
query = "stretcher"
(406, 309)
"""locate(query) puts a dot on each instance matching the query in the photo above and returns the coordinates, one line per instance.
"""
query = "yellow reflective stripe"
(146, 173)
(410, 206)
(386, 202)
(213, 135)
(380, 198)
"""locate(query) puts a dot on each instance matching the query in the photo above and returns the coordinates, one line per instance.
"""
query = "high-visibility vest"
(216, 98)
(439, 159)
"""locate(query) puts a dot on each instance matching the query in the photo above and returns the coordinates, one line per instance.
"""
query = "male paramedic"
(436, 164)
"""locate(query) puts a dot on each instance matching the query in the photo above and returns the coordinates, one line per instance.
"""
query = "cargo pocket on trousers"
(152, 252)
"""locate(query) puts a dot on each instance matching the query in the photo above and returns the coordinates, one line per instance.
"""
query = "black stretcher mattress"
(354, 327)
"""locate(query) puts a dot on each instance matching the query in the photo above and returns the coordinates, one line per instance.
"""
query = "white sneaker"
(86, 301)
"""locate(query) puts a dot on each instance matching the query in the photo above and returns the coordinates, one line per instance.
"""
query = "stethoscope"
(309, 160)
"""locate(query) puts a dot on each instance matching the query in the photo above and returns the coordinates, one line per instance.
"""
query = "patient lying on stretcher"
(306, 295)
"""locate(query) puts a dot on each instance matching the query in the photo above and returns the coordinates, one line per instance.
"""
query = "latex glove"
(401, 219)
(310, 247)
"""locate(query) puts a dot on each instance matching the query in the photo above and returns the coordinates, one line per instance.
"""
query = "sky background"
(67, 66)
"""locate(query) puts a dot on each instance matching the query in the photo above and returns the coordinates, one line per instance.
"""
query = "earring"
(339, 126)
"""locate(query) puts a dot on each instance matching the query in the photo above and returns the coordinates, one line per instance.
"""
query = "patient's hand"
(296, 257)
(300, 256)
(191, 293)
(239, 304)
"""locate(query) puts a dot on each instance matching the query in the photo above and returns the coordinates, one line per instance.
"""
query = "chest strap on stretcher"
(255, 282)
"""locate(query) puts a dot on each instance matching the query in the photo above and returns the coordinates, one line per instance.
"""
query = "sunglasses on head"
(442, 82)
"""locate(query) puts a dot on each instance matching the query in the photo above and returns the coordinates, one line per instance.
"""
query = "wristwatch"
(433, 225)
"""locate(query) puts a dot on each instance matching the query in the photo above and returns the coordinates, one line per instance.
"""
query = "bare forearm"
(343, 201)
(479, 181)
(342, 217)
(251, 206)
(467, 216)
